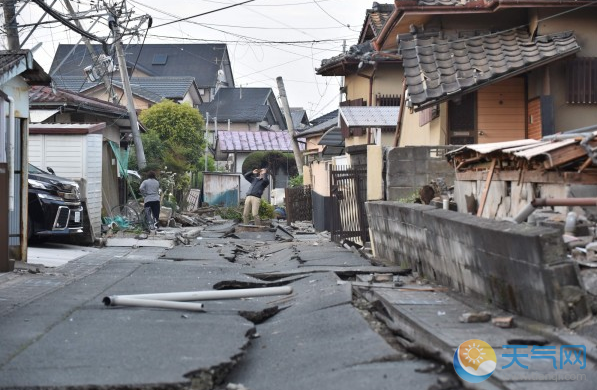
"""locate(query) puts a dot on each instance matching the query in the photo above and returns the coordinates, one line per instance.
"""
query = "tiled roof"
(299, 117)
(332, 137)
(74, 83)
(325, 117)
(154, 89)
(319, 128)
(372, 116)
(422, 3)
(45, 97)
(437, 68)
(239, 105)
(20, 63)
(251, 141)
(201, 61)
(376, 18)
(487, 3)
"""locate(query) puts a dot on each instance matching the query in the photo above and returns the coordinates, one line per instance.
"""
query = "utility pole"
(205, 138)
(126, 85)
(295, 148)
(94, 56)
(10, 19)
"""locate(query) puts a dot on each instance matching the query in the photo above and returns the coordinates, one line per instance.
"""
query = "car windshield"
(34, 169)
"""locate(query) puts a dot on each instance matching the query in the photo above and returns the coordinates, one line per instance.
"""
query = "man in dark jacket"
(259, 182)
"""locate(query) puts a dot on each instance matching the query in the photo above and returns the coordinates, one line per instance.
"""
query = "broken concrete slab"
(135, 243)
(319, 337)
(340, 271)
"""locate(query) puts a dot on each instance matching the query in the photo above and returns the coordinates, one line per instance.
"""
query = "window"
(428, 114)
(387, 100)
(159, 59)
(581, 76)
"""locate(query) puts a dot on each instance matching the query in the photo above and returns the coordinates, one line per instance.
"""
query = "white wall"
(93, 176)
(76, 157)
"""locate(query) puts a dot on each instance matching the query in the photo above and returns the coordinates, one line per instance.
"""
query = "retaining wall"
(519, 268)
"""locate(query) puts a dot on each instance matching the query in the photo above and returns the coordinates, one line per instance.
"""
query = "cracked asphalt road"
(56, 333)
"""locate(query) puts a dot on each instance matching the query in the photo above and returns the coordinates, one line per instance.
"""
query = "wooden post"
(400, 115)
(486, 189)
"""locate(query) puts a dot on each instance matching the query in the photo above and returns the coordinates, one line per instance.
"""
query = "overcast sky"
(265, 38)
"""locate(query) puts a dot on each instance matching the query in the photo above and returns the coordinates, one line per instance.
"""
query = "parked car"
(54, 205)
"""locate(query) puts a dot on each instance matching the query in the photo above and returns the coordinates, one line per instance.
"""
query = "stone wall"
(410, 168)
(519, 268)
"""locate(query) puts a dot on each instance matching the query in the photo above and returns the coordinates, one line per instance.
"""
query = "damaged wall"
(519, 268)
(507, 196)
(410, 168)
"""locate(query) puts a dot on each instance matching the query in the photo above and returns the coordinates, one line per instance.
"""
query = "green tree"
(174, 140)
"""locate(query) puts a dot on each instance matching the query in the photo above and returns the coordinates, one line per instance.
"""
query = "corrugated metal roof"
(372, 116)
(251, 141)
(543, 148)
(495, 146)
(332, 137)
(319, 128)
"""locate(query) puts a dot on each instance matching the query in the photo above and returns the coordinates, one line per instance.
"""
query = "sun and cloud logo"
(474, 361)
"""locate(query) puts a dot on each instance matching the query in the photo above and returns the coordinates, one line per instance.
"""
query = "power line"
(201, 14)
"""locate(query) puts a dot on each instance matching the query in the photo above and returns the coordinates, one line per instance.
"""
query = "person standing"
(150, 189)
(259, 181)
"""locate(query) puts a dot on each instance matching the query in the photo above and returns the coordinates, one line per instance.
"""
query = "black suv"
(54, 205)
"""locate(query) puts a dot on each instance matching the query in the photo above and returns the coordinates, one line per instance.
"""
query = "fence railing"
(299, 206)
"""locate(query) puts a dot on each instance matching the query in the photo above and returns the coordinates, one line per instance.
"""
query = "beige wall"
(387, 81)
(374, 172)
(312, 143)
(433, 133)
(320, 180)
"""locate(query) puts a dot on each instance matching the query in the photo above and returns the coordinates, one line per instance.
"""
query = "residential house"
(494, 70)
(300, 120)
(324, 128)
(243, 109)
(371, 77)
(208, 64)
(96, 130)
(18, 71)
(146, 91)
(234, 147)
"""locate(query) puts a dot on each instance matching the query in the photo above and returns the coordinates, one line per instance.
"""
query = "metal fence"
(299, 206)
(349, 193)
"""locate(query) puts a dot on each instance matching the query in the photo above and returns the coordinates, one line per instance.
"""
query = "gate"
(349, 193)
(299, 206)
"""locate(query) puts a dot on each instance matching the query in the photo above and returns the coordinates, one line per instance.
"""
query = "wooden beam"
(566, 154)
(486, 189)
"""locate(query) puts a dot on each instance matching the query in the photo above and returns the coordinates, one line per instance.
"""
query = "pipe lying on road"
(126, 301)
(213, 294)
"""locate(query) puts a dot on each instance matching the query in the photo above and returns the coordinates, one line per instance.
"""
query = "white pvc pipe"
(11, 153)
(125, 301)
(213, 294)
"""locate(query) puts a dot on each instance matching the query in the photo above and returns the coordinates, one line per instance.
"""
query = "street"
(57, 333)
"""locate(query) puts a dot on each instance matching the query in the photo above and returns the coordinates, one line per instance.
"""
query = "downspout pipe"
(543, 202)
(11, 153)
(208, 295)
(154, 303)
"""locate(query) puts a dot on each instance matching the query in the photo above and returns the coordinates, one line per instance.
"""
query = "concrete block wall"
(410, 168)
(519, 268)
